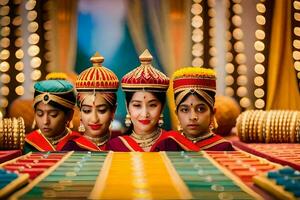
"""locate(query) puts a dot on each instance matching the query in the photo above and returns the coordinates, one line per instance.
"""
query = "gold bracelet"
(268, 129)
(261, 126)
(293, 127)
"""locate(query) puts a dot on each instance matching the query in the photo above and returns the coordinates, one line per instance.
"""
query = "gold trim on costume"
(46, 97)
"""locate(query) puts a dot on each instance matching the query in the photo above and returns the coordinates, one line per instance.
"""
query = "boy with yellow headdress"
(194, 93)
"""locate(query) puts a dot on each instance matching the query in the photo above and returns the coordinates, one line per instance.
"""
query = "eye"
(54, 114)
(153, 105)
(86, 110)
(201, 108)
(184, 109)
(136, 105)
(102, 110)
(39, 113)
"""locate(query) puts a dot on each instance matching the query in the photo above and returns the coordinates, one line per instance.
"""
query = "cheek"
(105, 118)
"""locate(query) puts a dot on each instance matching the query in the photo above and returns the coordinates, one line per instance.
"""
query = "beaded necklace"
(99, 141)
(199, 138)
(148, 140)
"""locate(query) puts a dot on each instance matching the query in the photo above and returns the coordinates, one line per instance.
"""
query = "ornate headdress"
(194, 80)
(58, 91)
(97, 79)
(145, 77)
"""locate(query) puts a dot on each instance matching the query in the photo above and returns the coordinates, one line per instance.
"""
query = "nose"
(193, 115)
(145, 112)
(94, 117)
(46, 119)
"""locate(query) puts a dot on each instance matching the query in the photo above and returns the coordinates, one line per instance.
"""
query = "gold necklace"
(99, 141)
(148, 140)
(55, 140)
(199, 138)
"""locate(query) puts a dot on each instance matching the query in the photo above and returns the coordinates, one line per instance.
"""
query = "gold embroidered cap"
(97, 78)
(145, 77)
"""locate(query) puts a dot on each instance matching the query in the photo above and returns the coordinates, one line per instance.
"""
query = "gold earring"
(71, 124)
(81, 127)
(127, 120)
(179, 128)
(33, 124)
(161, 120)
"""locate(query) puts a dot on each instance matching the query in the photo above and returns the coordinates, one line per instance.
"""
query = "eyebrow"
(138, 101)
(51, 110)
(100, 105)
(200, 104)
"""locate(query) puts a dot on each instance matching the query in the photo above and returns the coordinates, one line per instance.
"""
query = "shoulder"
(116, 144)
(71, 145)
(31, 134)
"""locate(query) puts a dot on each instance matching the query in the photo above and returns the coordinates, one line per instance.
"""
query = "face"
(194, 116)
(144, 109)
(50, 120)
(96, 115)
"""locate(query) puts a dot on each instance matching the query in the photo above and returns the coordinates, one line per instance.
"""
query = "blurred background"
(254, 46)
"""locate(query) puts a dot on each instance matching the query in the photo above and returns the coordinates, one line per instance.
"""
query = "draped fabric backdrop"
(64, 22)
(282, 92)
(166, 22)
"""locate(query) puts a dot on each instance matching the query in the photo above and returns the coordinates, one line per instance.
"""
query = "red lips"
(95, 126)
(193, 126)
(145, 122)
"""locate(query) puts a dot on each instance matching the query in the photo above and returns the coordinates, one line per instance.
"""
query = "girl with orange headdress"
(145, 90)
(96, 98)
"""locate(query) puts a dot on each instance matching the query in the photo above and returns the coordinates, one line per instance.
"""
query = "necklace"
(99, 141)
(199, 138)
(148, 140)
(55, 140)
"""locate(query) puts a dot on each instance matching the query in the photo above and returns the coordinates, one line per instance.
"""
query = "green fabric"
(28, 148)
(53, 86)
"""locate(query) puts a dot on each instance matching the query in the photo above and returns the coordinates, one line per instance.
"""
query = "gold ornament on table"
(274, 126)
(12, 133)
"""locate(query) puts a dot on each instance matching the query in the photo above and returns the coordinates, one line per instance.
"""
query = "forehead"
(193, 100)
(143, 96)
(45, 107)
(90, 100)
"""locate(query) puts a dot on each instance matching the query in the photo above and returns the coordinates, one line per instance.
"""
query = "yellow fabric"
(282, 88)
(138, 168)
(170, 32)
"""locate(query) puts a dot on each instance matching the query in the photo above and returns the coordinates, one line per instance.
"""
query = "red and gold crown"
(145, 77)
(194, 78)
(97, 78)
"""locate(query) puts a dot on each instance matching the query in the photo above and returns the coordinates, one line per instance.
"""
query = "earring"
(161, 120)
(81, 127)
(33, 124)
(70, 124)
(127, 120)
(179, 128)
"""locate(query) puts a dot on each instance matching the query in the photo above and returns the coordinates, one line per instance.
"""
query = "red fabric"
(186, 144)
(187, 82)
(284, 153)
(39, 141)
(9, 154)
(89, 145)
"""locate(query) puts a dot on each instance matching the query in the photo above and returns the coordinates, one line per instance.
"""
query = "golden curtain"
(282, 90)
(64, 43)
(171, 29)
